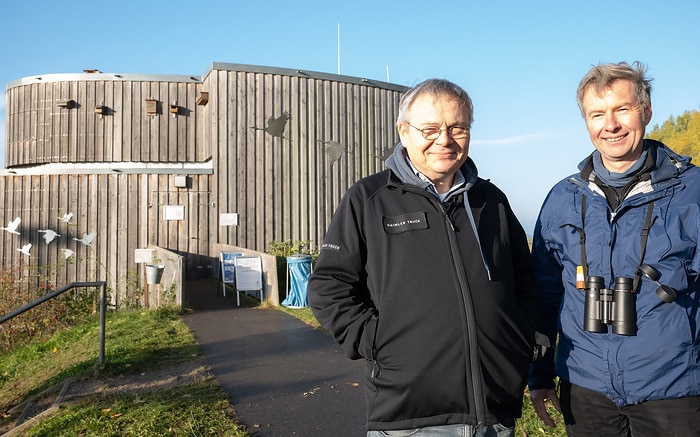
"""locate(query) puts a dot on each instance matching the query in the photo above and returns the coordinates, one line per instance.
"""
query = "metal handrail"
(53, 294)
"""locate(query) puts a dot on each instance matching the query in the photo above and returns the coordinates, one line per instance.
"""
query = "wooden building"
(243, 155)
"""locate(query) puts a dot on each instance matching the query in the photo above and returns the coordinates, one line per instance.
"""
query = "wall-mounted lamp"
(203, 98)
(174, 109)
(66, 103)
(100, 110)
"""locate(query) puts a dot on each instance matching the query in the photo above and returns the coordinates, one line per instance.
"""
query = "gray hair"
(603, 75)
(434, 87)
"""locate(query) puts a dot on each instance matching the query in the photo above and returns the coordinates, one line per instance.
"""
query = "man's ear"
(646, 116)
(402, 128)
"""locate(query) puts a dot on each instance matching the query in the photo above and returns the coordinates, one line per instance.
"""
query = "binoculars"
(603, 307)
(617, 307)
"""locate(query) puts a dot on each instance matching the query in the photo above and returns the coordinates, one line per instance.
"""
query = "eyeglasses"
(433, 132)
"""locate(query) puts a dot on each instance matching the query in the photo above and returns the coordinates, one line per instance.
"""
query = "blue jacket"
(661, 359)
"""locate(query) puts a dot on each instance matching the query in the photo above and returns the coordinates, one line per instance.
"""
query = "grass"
(136, 342)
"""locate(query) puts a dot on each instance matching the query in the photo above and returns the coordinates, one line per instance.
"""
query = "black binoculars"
(618, 306)
(603, 307)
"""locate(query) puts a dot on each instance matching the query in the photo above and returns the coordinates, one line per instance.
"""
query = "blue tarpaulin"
(298, 273)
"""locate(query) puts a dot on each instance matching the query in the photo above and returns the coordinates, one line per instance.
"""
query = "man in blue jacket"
(617, 264)
(426, 274)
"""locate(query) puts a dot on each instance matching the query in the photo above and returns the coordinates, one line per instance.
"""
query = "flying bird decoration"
(12, 226)
(334, 150)
(275, 126)
(87, 238)
(67, 253)
(25, 249)
(49, 235)
(66, 217)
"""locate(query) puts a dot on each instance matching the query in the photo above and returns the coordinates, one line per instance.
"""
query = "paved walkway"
(284, 378)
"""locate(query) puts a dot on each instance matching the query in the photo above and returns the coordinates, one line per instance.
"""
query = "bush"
(37, 324)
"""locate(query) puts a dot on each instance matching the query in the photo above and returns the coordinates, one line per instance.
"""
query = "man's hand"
(538, 398)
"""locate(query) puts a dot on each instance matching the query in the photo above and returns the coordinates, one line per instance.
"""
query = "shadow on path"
(284, 378)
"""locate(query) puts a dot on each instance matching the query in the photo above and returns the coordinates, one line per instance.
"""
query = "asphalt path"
(283, 377)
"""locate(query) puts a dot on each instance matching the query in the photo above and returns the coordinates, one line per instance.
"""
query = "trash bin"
(298, 273)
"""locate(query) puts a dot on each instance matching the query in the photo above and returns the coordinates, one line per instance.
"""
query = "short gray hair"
(434, 87)
(603, 75)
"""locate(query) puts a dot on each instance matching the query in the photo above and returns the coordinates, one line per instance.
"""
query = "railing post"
(53, 294)
(103, 311)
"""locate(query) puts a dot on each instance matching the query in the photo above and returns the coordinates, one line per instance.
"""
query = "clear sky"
(520, 60)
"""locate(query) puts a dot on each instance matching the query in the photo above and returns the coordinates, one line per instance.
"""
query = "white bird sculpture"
(12, 226)
(67, 253)
(66, 217)
(87, 238)
(49, 235)
(25, 249)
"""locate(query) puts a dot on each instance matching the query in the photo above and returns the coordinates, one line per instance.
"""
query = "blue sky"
(520, 61)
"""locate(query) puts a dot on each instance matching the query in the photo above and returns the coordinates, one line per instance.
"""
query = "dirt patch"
(154, 379)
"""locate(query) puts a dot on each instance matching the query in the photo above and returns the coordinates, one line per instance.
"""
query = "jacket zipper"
(474, 370)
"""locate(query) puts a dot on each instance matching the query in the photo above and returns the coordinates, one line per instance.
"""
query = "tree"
(681, 133)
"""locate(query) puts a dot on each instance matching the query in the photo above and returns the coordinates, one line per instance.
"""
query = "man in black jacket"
(425, 273)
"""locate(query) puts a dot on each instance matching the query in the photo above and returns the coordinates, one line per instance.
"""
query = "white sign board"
(173, 212)
(144, 255)
(249, 273)
(228, 219)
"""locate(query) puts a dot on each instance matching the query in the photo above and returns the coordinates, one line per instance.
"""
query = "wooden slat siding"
(138, 122)
(174, 136)
(86, 151)
(164, 122)
(130, 226)
(115, 148)
(145, 228)
(5, 214)
(254, 158)
(10, 206)
(30, 153)
(108, 122)
(42, 118)
(115, 249)
(246, 153)
(187, 122)
(300, 149)
(305, 92)
(43, 203)
(224, 181)
(23, 127)
(150, 123)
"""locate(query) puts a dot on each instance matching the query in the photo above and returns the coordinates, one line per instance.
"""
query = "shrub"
(18, 289)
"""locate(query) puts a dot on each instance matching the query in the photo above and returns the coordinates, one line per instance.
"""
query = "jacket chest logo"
(404, 223)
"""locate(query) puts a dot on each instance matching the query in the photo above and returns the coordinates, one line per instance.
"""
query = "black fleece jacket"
(444, 316)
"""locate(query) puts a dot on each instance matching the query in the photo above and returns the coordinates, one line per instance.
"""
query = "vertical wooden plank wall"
(284, 184)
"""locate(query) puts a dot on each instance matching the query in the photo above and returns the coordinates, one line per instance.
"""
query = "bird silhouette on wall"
(87, 238)
(275, 126)
(66, 217)
(334, 150)
(49, 235)
(67, 253)
(25, 249)
(12, 226)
